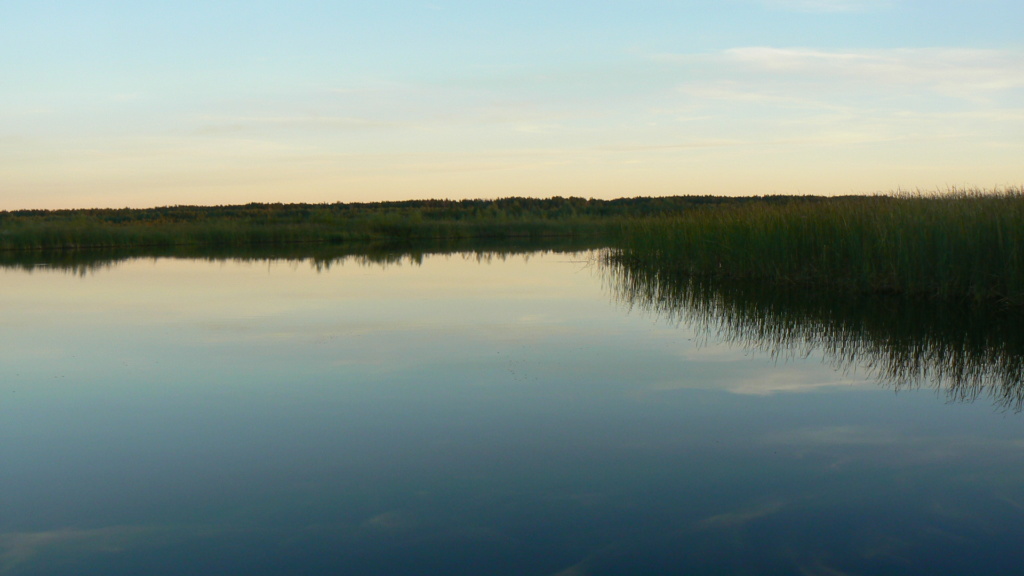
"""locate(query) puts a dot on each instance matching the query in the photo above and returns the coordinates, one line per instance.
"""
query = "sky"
(142, 103)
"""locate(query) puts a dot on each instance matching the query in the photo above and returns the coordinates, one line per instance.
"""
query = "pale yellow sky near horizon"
(150, 105)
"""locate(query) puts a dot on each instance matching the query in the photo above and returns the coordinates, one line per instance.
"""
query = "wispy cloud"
(799, 96)
(954, 71)
(965, 73)
(694, 145)
(735, 97)
(222, 125)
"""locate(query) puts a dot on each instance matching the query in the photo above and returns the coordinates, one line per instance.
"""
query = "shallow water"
(453, 414)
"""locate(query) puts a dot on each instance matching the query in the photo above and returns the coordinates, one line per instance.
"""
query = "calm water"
(509, 415)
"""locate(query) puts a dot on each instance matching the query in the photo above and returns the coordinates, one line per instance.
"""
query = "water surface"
(474, 414)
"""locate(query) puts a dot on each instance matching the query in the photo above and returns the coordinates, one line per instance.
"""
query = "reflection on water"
(321, 256)
(967, 351)
(488, 411)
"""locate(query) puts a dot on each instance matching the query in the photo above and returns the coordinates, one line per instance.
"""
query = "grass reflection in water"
(964, 350)
(322, 257)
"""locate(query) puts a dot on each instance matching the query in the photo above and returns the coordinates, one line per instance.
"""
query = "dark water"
(495, 413)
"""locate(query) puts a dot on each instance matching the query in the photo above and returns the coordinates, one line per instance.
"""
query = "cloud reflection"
(21, 551)
(966, 351)
(738, 518)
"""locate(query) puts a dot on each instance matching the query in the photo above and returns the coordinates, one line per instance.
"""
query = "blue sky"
(158, 103)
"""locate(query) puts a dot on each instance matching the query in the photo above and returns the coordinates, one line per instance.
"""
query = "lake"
(495, 413)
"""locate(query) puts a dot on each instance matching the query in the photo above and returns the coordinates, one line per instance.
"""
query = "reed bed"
(280, 224)
(964, 244)
(22, 236)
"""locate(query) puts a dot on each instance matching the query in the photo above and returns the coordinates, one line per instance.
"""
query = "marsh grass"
(280, 224)
(965, 244)
(963, 350)
(89, 235)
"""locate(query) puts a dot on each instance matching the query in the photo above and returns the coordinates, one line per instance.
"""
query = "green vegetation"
(965, 350)
(278, 224)
(959, 245)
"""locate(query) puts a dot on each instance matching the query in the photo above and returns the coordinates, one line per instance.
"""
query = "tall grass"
(965, 244)
(91, 235)
(279, 224)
